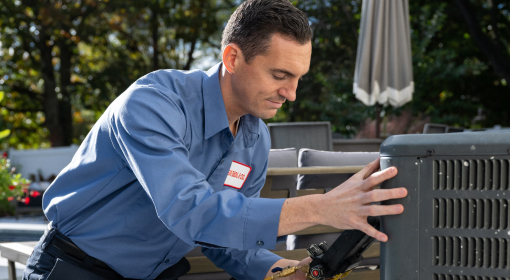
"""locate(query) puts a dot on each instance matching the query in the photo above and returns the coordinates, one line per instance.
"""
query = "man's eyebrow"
(286, 72)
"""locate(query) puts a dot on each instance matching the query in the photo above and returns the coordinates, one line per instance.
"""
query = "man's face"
(263, 85)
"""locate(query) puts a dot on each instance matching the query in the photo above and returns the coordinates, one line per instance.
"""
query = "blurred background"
(63, 62)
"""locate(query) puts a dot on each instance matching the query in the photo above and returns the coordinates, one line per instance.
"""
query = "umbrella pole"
(377, 120)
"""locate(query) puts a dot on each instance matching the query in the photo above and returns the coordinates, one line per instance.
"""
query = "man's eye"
(279, 77)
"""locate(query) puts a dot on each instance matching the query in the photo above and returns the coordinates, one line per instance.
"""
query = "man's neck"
(235, 127)
(233, 113)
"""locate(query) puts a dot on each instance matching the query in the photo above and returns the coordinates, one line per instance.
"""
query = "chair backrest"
(313, 135)
(283, 158)
(452, 129)
(434, 128)
(309, 157)
(440, 128)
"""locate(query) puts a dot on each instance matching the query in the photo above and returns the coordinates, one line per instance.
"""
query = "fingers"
(371, 231)
(381, 210)
(305, 261)
(382, 195)
(373, 167)
(368, 169)
(379, 177)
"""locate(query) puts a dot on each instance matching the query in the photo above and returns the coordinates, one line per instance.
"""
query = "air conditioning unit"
(456, 220)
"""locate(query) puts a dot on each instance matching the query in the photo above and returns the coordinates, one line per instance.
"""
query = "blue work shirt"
(147, 184)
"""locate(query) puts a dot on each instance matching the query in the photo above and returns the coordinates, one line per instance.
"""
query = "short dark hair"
(254, 22)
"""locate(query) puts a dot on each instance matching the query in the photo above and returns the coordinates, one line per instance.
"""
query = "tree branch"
(22, 110)
(133, 44)
(27, 92)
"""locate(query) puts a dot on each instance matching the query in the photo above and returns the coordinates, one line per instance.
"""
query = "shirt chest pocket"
(233, 173)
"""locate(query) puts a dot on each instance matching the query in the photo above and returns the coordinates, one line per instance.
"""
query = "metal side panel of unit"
(401, 253)
(456, 220)
(464, 217)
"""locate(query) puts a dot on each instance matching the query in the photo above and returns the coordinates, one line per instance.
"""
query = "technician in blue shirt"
(178, 161)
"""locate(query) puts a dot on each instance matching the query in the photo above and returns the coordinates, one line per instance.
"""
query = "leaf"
(1, 95)
(5, 133)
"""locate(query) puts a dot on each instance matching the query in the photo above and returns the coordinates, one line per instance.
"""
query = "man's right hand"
(346, 206)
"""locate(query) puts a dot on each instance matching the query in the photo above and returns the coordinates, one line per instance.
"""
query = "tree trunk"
(155, 38)
(65, 108)
(190, 55)
(50, 103)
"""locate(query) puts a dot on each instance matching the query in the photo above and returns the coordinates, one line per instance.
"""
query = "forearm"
(346, 206)
(299, 213)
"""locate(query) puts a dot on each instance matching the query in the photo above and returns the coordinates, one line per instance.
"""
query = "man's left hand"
(283, 263)
(300, 275)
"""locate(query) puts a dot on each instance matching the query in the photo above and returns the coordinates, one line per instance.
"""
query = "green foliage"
(12, 187)
(453, 78)
(64, 62)
(326, 92)
(4, 133)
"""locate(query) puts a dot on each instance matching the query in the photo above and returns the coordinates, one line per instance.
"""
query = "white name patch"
(237, 175)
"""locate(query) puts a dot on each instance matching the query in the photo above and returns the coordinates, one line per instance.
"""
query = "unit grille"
(465, 277)
(482, 174)
(471, 213)
(471, 252)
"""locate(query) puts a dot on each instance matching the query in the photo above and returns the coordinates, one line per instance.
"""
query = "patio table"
(16, 252)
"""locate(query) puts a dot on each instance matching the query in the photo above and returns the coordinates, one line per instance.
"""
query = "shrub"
(13, 188)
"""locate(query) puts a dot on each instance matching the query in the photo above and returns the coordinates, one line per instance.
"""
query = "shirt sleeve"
(248, 264)
(147, 128)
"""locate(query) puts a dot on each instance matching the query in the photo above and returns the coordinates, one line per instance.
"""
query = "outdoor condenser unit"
(456, 220)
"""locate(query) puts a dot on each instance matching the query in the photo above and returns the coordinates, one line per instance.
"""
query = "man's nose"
(289, 92)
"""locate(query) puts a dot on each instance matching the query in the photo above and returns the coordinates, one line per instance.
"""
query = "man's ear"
(232, 55)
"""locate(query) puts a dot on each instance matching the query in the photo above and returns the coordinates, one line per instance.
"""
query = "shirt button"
(260, 243)
(167, 261)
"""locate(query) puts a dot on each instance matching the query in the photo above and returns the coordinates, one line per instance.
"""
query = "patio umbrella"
(384, 73)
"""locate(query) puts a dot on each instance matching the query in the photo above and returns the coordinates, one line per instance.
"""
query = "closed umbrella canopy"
(384, 72)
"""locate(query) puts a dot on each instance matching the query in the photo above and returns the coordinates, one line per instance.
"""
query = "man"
(178, 161)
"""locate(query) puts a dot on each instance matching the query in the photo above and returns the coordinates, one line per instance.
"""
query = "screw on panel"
(430, 152)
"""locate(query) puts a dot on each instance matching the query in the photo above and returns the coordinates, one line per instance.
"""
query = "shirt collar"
(251, 133)
(214, 108)
(215, 113)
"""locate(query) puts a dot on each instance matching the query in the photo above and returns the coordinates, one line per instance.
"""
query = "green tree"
(454, 77)
(40, 44)
(326, 92)
(65, 61)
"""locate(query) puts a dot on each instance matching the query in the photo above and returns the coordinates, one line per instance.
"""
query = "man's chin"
(266, 114)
